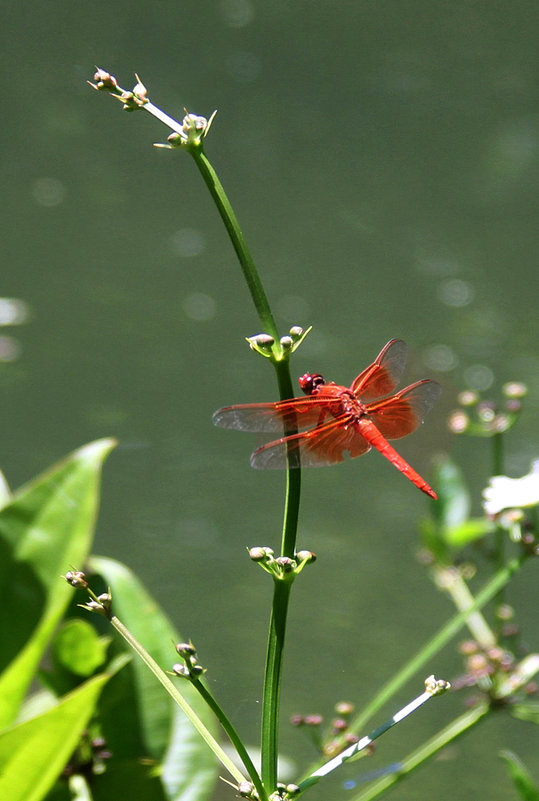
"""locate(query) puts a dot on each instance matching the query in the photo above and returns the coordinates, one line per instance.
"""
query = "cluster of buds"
(76, 578)
(131, 100)
(284, 791)
(102, 604)
(191, 669)
(484, 418)
(281, 567)
(104, 81)
(487, 669)
(337, 737)
(189, 133)
(265, 343)
(193, 130)
(89, 757)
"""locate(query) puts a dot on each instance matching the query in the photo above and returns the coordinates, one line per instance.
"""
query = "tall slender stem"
(499, 535)
(238, 241)
(272, 683)
(281, 591)
(190, 136)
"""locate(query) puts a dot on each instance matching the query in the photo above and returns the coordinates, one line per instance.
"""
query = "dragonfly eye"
(310, 382)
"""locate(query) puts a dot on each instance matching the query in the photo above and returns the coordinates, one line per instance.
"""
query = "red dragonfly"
(340, 420)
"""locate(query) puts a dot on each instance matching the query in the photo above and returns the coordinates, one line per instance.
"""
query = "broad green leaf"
(44, 530)
(78, 647)
(33, 754)
(189, 768)
(128, 779)
(521, 777)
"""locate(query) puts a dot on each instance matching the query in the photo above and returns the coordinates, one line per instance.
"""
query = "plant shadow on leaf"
(20, 616)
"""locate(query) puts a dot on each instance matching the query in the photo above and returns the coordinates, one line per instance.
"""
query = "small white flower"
(512, 493)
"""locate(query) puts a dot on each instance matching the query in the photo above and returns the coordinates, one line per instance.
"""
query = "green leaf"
(78, 647)
(527, 710)
(44, 530)
(189, 768)
(521, 777)
(34, 753)
(468, 532)
(128, 779)
(453, 505)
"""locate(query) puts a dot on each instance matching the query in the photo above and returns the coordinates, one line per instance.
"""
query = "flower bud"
(344, 708)
(175, 139)
(286, 342)
(258, 554)
(513, 405)
(505, 612)
(297, 720)
(261, 343)
(458, 422)
(140, 91)
(296, 331)
(105, 81)
(76, 578)
(467, 398)
(180, 670)
(306, 556)
(514, 389)
(286, 564)
(185, 649)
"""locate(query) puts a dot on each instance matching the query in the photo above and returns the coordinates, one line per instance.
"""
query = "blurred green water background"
(383, 159)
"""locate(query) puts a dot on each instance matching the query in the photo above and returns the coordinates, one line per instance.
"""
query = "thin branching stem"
(233, 736)
(431, 648)
(426, 751)
(176, 695)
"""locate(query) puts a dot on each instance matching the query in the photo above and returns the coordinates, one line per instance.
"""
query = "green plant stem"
(272, 683)
(178, 698)
(447, 735)
(281, 596)
(353, 750)
(233, 736)
(238, 241)
(499, 535)
(431, 648)
(436, 643)
(455, 586)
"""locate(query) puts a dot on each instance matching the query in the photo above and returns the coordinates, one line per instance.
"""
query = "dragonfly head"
(310, 382)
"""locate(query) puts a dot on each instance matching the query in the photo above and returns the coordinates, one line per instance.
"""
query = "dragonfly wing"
(249, 417)
(383, 375)
(401, 414)
(325, 445)
(298, 412)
